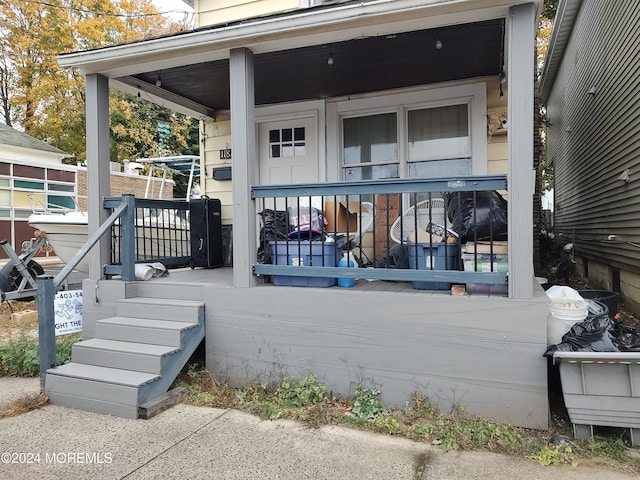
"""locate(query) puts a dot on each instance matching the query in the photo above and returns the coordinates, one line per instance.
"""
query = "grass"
(22, 405)
(307, 400)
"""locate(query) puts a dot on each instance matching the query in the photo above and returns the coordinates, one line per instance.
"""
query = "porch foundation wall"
(481, 353)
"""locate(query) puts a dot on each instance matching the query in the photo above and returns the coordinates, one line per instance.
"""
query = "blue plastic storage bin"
(305, 253)
(439, 255)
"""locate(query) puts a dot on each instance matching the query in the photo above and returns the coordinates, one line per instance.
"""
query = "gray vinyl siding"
(593, 138)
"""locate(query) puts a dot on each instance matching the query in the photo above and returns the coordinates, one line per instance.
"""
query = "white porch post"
(245, 164)
(521, 36)
(98, 173)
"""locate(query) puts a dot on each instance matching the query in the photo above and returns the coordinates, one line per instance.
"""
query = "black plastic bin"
(610, 299)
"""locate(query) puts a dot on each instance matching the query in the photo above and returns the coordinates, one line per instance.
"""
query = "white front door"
(288, 151)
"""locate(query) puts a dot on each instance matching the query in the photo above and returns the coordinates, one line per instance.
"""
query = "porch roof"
(375, 45)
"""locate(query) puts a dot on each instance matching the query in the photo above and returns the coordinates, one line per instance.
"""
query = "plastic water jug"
(347, 261)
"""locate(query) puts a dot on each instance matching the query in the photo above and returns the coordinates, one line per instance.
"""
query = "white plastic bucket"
(562, 316)
(566, 308)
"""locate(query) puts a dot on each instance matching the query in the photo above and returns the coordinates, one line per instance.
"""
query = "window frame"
(473, 94)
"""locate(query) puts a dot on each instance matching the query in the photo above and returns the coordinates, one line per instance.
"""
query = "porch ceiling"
(360, 65)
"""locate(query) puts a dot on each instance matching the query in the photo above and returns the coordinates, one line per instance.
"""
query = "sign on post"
(68, 312)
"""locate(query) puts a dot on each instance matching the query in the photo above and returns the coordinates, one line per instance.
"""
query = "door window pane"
(281, 142)
(441, 132)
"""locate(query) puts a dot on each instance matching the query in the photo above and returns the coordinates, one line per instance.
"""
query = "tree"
(135, 132)
(545, 28)
(47, 101)
(549, 9)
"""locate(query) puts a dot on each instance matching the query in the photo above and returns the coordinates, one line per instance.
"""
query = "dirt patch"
(11, 328)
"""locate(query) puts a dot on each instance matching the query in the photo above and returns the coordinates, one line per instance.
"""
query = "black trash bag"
(627, 338)
(275, 227)
(489, 220)
(396, 257)
(598, 333)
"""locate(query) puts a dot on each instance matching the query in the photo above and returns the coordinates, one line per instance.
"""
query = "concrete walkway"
(188, 442)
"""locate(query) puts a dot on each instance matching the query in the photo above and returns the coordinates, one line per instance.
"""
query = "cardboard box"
(499, 248)
(338, 217)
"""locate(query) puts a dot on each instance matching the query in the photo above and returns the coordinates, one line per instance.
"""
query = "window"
(441, 132)
(370, 147)
(28, 185)
(436, 132)
(287, 142)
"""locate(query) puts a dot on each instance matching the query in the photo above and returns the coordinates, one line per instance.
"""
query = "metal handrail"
(48, 285)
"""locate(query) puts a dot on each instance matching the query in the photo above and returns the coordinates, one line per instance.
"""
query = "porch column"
(98, 173)
(245, 164)
(521, 28)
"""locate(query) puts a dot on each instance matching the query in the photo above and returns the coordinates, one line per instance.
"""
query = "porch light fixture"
(330, 59)
(158, 81)
(438, 44)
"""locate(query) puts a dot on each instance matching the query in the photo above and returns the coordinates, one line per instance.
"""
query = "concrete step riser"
(148, 363)
(128, 333)
(91, 389)
(93, 405)
(175, 313)
(177, 291)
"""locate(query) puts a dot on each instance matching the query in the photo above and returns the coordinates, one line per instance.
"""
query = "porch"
(482, 351)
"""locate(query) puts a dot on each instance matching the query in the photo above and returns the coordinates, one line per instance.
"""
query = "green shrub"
(21, 357)
(301, 391)
(367, 404)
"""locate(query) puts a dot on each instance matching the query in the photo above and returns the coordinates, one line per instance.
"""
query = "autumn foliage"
(47, 101)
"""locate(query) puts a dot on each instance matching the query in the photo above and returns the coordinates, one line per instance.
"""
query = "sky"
(167, 5)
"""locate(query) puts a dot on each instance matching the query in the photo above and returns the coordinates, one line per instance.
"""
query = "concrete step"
(134, 357)
(93, 384)
(143, 330)
(160, 309)
(123, 355)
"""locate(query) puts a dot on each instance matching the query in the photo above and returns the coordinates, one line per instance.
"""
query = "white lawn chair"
(404, 226)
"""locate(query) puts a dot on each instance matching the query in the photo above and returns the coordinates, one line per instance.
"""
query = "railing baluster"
(402, 191)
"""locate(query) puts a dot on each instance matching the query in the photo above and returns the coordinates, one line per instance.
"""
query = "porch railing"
(401, 229)
(161, 233)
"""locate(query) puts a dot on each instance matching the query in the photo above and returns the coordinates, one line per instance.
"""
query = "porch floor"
(223, 278)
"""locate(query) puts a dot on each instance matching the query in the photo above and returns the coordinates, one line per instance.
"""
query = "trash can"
(610, 299)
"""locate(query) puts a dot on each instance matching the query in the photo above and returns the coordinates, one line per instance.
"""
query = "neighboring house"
(31, 175)
(326, 73)
(590, 84)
